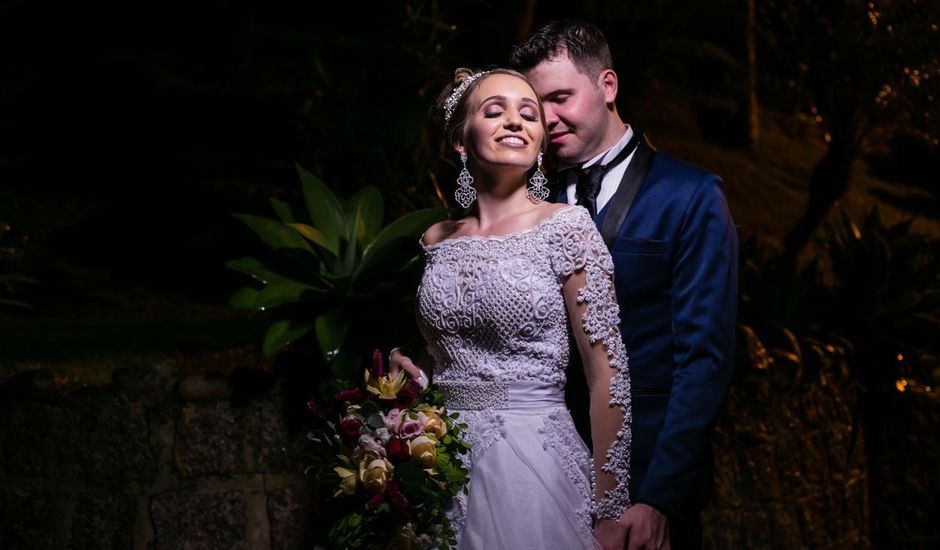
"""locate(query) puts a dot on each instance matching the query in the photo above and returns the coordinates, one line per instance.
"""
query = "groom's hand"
(646, 528)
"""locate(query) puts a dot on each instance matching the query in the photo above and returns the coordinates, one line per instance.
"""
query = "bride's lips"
(513, 141)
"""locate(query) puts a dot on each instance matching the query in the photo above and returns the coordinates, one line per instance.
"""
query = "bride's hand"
(399, 361)
(610, 534)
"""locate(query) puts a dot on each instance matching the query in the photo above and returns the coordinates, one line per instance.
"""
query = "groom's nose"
(551, 119)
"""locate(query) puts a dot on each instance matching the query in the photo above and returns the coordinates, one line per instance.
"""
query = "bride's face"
(505, 128)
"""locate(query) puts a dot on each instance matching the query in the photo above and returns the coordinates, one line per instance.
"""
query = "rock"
(104, 522)
(203, 386)
(145, 381)
(208, 440)
(198, 521)
(31, 385)
(289, 514)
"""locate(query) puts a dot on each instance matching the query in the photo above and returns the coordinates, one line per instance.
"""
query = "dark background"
(131, 133)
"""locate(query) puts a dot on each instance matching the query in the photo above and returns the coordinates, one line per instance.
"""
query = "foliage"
(385, 462)
(876, 290)
(339, 272)
(854, 66)
(886, 298)
(11, 277)
(858, 64)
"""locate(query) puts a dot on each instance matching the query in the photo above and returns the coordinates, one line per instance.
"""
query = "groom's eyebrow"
(555, 93)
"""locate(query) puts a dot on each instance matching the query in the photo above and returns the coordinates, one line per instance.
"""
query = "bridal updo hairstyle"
(455, 131)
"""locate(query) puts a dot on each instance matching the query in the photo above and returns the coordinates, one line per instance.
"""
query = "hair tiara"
(454, 98)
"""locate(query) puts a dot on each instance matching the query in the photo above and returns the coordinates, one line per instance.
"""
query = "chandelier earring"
(537, 191)
(465, 193)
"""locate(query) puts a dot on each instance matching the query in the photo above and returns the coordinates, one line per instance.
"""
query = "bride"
(500, 290)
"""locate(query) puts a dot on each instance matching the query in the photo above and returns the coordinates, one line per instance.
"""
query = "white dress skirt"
(530, 474)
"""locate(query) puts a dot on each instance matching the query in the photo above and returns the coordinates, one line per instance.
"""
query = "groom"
(675, 252)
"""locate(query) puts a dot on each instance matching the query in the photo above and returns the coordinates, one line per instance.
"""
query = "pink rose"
(368, 444)
(411, 428)
(393, 419)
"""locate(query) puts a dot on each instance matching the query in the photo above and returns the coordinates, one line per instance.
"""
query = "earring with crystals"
(465, 193)
(537, 192)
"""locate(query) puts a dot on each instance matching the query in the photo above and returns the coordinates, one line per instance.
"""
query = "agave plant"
(337, 273)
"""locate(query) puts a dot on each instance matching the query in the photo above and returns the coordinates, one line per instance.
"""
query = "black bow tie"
(590, 178)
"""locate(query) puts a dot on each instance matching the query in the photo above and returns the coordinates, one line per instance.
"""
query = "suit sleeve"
(704, 314)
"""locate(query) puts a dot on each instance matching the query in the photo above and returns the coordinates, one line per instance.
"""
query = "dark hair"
(456, 131)
(583, 42)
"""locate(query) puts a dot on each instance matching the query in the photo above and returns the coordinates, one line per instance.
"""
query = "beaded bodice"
(491, 308)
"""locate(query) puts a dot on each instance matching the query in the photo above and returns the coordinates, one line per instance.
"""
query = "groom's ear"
(607, 81)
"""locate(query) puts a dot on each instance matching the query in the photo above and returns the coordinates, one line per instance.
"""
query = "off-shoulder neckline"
(503, 237)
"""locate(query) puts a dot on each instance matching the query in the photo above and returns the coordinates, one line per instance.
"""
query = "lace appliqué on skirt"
(562, 437)
(483, 429)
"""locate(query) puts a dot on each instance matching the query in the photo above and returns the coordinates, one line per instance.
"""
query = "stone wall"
(148, 462)
(158, 461)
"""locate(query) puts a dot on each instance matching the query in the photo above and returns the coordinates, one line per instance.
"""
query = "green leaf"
(245, 298)
(256, 269)
(331, 330)
(275, 234)
(370, 205)
(284, 292)
(17, 303)
(375, 421)
(408, 226)
(326, 212)
(345, 366)
(283, 210)
(281, 333)
(352, 247)
(315, 236)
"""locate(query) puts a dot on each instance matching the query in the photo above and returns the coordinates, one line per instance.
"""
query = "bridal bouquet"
(385, 462)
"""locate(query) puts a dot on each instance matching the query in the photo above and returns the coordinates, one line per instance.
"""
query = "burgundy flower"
(350, 427)
(377, 363)
(398, 500)
(397, 450)
(352, 394)
(316, 410)
(376, 500)
(408, 394)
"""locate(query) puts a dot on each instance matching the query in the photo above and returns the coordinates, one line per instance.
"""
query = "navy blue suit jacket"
(675, 260)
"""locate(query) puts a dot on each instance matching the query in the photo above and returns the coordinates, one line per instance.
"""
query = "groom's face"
(575, 109)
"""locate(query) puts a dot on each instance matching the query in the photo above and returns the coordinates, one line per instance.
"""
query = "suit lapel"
(629, 186)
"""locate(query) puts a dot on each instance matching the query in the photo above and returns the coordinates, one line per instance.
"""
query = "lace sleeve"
(585, 268)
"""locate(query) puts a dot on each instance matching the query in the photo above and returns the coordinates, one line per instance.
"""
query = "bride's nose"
(513, 120)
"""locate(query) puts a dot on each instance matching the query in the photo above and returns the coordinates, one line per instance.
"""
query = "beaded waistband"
(477, 395)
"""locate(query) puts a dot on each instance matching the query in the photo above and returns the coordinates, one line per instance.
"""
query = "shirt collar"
(606, 155)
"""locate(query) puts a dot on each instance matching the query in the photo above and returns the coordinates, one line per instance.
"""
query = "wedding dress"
(493, 313)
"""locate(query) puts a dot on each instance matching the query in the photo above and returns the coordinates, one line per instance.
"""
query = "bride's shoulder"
(440, 231)
(563, 213)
